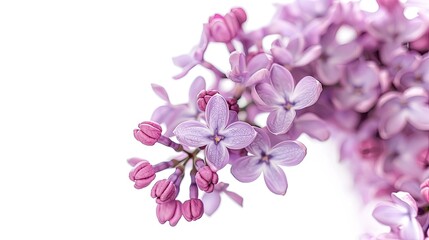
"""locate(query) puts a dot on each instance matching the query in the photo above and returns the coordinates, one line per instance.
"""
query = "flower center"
(288, 105)
(217, 138)
(265, 157)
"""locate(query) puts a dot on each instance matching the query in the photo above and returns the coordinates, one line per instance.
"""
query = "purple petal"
(268, 94)
(247, 169)
(329, 73)
(306, 93)
(390, 214)
(296, 45)
(392, 124)
(211, 202)
(282, 55)
(288, 153)
(313, 126)
(279, 122)
(238, 135)
(197, 85)
(217, 113)
(217, 155)
(257, 63)
(160, 91)
(193, 134)
(412, 230)
(345, 53)
(260, 144)
(275, 179)
(418, 116)
(309, 55)
(259, 76)
(235, 197)
(183, 60)
(282, 80)
(405, 200)
(415, 29)
(238, 67)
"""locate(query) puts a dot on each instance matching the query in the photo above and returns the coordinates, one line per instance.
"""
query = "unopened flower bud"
(233, 106)
(192, 209)
(148, 133)
(206, 179)
(169, 211)
(225, 28)
(142, 174)
(164, 191)
(370, 149)
(204, 97)
(240, 14)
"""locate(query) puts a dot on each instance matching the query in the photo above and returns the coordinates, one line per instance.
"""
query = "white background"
(75, 81)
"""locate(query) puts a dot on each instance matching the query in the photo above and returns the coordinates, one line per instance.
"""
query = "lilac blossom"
(400, 215)
(249, 72)
(216, 135)
(267, 159)
(212, 200)
(397, 109)
(282, 98)
(416, 77)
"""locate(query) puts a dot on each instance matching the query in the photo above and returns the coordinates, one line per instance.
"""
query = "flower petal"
(392, 124)
(418, 115)
(217, 113)
(193, 134)
(275, 179)
(288, 153)
(279, 121)
(306, 93)
(313, 126)
(197, 85)
(247, 169)
(390, 214)
(260, 144)
(268, 94)
(211, 202)
(259, 76)
(282, 80)
(235, 197)
(257, 63)
(160, 91)
(217, 155)
(238, 135)
(309, 55)
(412, 230)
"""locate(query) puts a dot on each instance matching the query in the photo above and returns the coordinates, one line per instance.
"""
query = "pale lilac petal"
(160, 91)
(275, 179)
(197, 86)
(217, 113)
(235, 197)
(258, 62)
(415, 29)
(392, 124)
(238, 135)
(183, 60)
(247, 169)
(306, 93)
(390, 214)
(238, 67)
(418, 116)
(193, 134)
(345, 53)
(260, 144)
(268, 94)
(211, 202)
(282, 55)
(282, 80)
(296, 45)
(279, 122)
(405, 200)
(288, 153)
(217, 155)
(259, 76)
(412, 231)
(309, 55)
(329, 73)
(313, 126)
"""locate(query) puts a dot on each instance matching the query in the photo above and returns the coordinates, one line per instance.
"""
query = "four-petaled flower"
(282, 98)
(267, 159)
(218, 135)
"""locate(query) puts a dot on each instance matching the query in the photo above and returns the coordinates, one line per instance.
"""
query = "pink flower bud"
(422, 43)
(388, 4)
(206, 179)
(169, 211)
(423, 158)
(192, 209)
(233, 106)
(424, 189)
(164, 191)
(225, 28)
(148, 133)
(370, 148)
(204, 97)
(142, 174)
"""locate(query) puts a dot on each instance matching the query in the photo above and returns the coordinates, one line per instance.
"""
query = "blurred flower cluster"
(324, 68)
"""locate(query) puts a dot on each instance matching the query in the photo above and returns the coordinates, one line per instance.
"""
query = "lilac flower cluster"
(373, 68)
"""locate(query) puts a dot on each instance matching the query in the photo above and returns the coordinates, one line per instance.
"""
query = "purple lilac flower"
(416, 77)
(397, 109)
(267, 159)
(212, 200)
(171, 115)
(217, 134)
(282, 98)
(249, 72)
(169, 211)
(400, 215)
